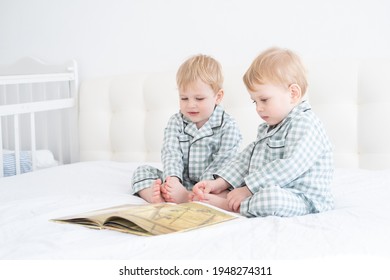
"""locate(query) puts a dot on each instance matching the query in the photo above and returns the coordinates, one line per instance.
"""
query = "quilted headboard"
(123, 117)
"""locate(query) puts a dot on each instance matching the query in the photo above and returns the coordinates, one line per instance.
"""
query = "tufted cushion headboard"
(122, 118)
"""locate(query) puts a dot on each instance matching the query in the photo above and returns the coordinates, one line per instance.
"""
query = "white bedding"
(360, 224)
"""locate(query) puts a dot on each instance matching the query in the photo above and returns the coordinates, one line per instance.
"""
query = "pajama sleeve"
(236, 170)
(230, 142)
(171, 154)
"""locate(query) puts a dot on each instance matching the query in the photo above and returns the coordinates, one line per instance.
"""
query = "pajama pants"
(144, 176)
(275, 201)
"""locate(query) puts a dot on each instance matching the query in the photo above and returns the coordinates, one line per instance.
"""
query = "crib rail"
(28, 72)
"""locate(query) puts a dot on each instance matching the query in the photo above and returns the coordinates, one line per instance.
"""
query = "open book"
(151, 219)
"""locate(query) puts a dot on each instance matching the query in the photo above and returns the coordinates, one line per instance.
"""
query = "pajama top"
(193, 154)
(288, 169)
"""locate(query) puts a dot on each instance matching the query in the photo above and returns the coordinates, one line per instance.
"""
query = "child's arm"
(236, 170)
(171, 154)
(228, 148)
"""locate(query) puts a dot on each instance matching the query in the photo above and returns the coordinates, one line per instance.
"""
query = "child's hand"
(236, 196)
(202, 188)
(209, 186)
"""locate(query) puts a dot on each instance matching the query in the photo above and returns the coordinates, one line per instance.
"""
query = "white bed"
(359, 225)
(121, 122)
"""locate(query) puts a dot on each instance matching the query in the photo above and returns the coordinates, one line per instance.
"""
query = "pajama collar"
(215, 120)
(296, 111)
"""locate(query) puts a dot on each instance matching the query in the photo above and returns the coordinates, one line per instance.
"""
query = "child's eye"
(263, 100)
(200, 98)
(254, 101)
(184, 98)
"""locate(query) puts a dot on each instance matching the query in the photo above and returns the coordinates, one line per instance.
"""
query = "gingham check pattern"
(288, 169)
(190, 154)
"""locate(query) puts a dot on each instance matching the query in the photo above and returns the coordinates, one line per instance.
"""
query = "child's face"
(273, 102)
(197, 102)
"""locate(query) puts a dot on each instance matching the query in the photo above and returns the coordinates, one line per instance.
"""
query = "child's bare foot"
(216, 200)
(156, 192)
(174, 191)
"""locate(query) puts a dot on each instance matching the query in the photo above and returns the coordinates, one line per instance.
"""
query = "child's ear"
(295, 93)
(219, 94)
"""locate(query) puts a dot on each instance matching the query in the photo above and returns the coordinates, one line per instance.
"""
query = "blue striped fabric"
(9, 163)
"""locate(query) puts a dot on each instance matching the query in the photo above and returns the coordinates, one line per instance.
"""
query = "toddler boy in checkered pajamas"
(198, 140)
(288, 170)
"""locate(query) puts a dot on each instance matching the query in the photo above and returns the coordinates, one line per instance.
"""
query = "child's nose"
(259, 108)
(192, 103)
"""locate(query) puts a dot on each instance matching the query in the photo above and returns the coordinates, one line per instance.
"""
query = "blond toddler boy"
(288, 169)
(198, 140)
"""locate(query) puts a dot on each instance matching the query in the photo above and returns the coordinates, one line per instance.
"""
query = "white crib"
(38, 111)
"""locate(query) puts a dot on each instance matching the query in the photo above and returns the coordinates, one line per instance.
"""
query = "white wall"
(109, 37)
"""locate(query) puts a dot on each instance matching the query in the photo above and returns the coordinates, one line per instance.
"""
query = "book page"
(166, 218)
(94, 219)
(151, 219)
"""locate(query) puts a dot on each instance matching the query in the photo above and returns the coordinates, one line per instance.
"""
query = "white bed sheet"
(360, 224)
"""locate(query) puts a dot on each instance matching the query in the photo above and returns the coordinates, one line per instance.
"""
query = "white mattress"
(360, 224)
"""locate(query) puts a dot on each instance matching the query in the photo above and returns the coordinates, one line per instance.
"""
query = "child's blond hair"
(276, 66)
(202, 67)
